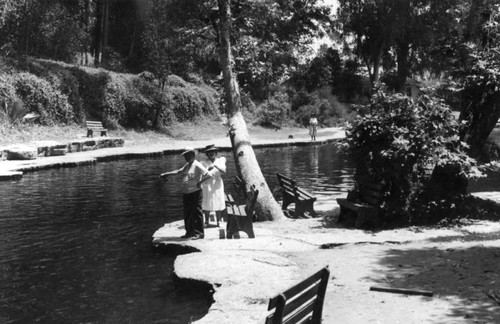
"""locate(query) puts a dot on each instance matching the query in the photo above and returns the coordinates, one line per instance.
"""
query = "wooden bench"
(95, 126)
(302, 303)
(240, 217)
(362, 206)
(303, 200)
(239, 192)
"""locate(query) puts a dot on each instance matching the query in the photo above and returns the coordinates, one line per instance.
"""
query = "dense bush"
(326, 106)
(273, 111)
(400, 143)
(189, 101)
(7, 96)
(61, 78)
(130, 100)
(42, 97)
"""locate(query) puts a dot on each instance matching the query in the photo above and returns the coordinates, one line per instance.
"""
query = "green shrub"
(7, 87)
(175, 81)
(38, 95)
(147, 106)
(273, 111)
(61, 77)
(119, 99)
(400, 143)
(326, 106)
(247, 103)
(189, 101)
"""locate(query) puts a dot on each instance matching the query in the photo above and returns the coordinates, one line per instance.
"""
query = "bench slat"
(295, 303)
(354, 206)
(302, 313)
(298, 287)
(305, 193)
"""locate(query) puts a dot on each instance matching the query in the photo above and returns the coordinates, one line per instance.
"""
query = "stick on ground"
(403, 291)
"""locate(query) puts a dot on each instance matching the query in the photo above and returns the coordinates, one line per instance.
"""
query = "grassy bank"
(203, 129)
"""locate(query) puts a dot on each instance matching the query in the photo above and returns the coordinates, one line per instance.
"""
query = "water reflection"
(75, 243)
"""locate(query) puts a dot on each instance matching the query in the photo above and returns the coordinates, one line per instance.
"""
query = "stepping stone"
(21, 152)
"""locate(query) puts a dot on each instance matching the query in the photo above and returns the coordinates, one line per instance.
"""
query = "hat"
(187, 150)
(210, 148)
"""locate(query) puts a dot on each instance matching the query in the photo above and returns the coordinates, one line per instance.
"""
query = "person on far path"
(192, 172)
(313, 126)
(212, 185)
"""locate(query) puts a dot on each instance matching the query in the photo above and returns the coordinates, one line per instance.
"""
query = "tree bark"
(267, 208)
(482, 120)
(403, 50)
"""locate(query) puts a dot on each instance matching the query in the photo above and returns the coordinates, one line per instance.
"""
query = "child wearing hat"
(212, 184)
(192, 172)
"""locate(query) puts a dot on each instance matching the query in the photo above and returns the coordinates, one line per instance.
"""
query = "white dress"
(213, 188)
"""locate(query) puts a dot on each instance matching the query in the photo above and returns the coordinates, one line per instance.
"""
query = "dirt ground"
(460, 270)
(459, 264)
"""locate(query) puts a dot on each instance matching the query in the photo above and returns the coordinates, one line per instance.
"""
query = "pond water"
(75, 243)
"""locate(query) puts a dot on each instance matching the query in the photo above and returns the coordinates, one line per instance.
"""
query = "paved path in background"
(12, 169)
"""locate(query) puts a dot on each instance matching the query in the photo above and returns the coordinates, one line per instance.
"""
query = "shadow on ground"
(463, 276)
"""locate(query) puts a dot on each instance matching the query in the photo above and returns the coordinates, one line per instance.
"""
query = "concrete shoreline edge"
(14, 169)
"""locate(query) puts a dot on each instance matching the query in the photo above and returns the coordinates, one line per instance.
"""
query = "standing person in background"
(313, 126)
(212, 185)
(192, 172)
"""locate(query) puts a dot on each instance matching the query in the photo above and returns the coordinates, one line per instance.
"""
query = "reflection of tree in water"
(458, 272)
(313, 160)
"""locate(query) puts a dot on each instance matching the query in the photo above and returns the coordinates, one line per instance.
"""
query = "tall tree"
(402, 32)
(372, 28)
(481, 85)
(246, 163)
(267, 37)
(101, 32)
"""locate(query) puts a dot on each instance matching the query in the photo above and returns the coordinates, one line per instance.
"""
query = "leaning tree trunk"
(267, 208)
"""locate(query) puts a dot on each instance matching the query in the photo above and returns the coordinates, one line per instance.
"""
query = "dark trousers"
(193, 214)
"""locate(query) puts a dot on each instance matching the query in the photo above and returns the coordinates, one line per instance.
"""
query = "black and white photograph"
(250, 161)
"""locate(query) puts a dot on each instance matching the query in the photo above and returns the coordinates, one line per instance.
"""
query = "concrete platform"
(16, 159)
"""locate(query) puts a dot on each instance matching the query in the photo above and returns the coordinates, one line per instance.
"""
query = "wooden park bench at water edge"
(303, 200)
(95, 126)
(240, 217)
(363, 205)
(302, 303)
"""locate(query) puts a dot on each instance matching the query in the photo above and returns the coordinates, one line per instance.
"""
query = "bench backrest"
(239, 187)
(302, 303)
(93, 124)
(372, 193)
(290, 186)
(251, 197)
(286, 183)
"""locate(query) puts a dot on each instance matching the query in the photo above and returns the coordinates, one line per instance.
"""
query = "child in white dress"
(212, 185)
